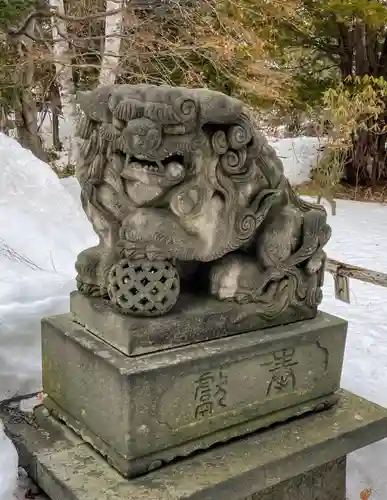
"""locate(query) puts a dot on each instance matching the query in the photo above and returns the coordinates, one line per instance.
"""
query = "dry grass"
(366, 494)
(68, 171)
(375, 194)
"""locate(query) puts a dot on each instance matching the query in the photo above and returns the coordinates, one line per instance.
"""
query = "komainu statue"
(186, 195)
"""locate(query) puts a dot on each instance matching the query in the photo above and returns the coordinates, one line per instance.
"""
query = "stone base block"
(302, 459)
(327, 482)
(194, 319)
(141, 412)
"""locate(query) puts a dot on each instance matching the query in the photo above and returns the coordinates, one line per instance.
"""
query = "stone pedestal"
(143, 411)
(194, 319)
(301, 459)
(326, 482)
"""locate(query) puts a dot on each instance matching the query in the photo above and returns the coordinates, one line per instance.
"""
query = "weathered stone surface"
(194, 319)
(327, 482)
(146, 410)
(254, 464)
(32, 441)
(184, 193)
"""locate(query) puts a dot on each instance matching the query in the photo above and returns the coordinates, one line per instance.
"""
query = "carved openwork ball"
(144, 288)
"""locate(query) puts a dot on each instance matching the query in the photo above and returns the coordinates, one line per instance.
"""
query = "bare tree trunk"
(366, 164)
(55, 110)
(26, 116)
(379, 160)
(4, 122)
(362, 66)
(65, 81)
(26, 125)
(111, 55)
(359, 56)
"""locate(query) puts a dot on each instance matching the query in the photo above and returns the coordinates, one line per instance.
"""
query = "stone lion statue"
(185, 194)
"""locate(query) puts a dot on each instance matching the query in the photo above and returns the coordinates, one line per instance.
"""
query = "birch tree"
(213, 43)
(112, 42)
(64, 78)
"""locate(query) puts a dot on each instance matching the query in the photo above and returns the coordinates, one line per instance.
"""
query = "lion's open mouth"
(153, 167)
(167, 172)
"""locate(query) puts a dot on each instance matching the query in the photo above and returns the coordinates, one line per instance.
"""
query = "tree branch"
(49, 13)
(309, 41)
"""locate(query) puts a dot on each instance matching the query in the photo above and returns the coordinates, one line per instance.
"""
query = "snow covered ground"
(360, 238)
(42, 228)
(298, 156)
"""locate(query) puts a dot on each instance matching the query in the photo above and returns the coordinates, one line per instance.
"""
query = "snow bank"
(8, 466)
(73, 188)
(299, 155)
(42, 229)
(34, 210)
